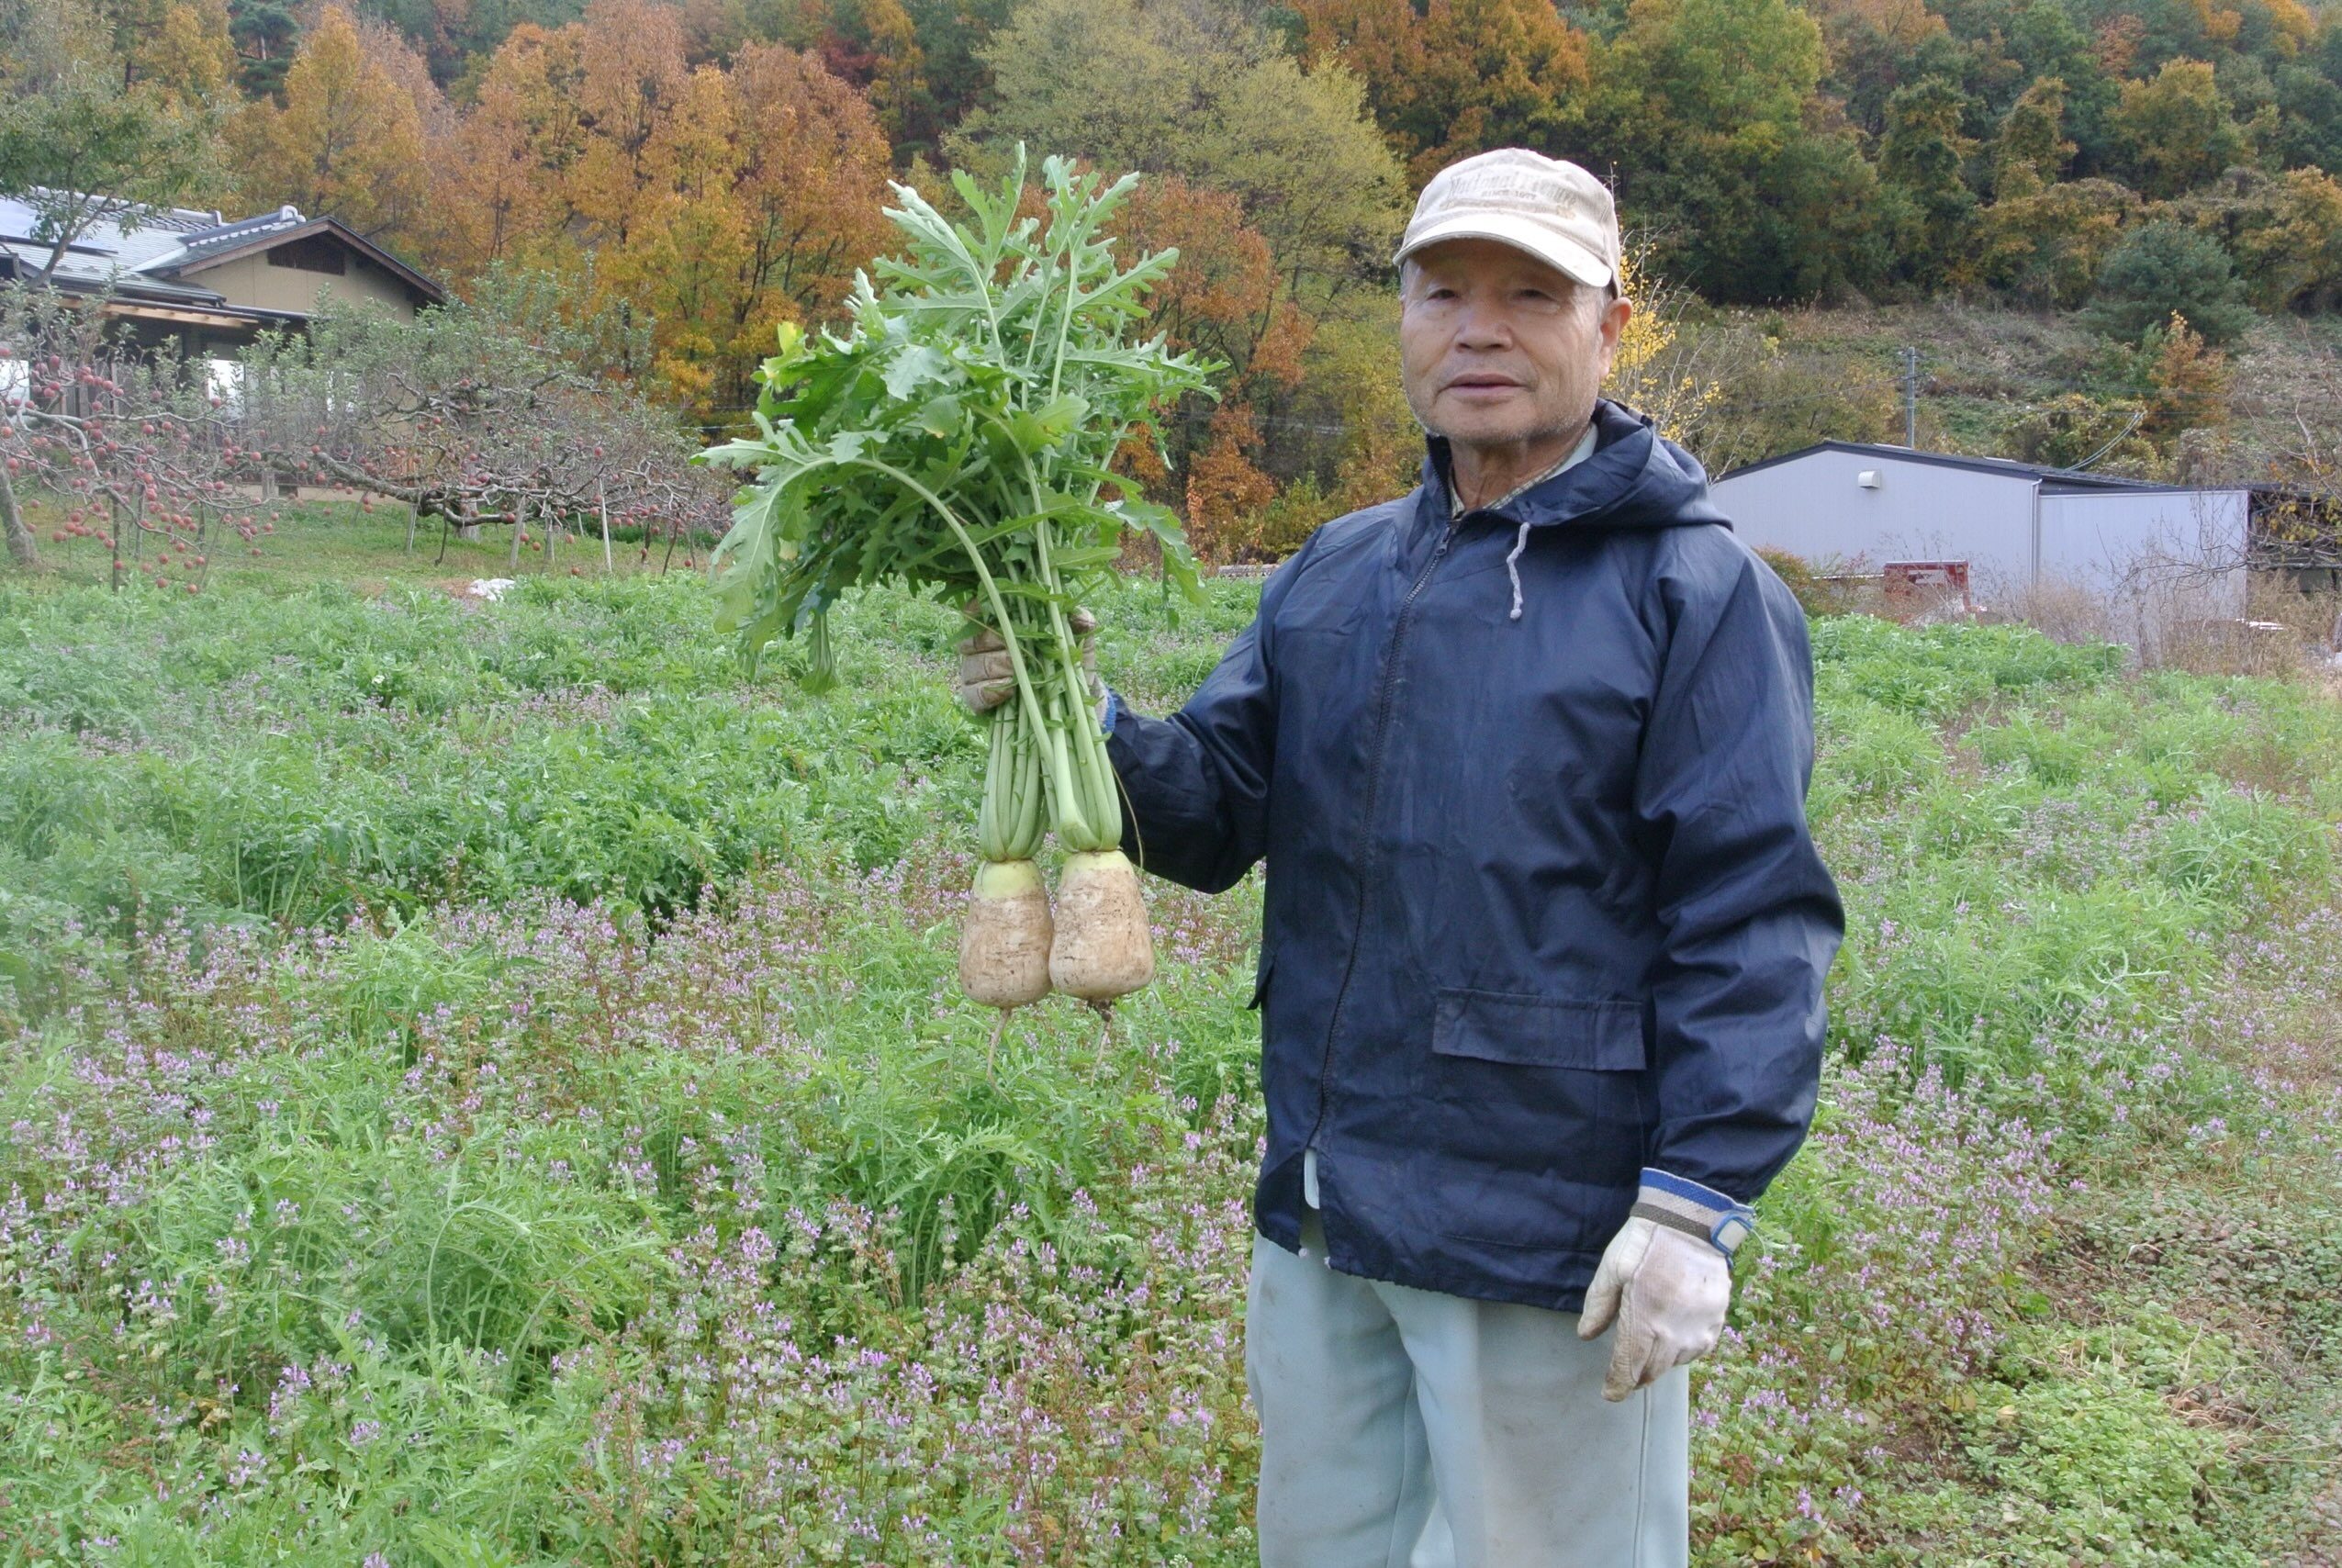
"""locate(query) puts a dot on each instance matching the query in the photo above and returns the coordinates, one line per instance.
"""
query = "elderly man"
(1541, 968)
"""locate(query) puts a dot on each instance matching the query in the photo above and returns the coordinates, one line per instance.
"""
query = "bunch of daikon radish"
(957, 440)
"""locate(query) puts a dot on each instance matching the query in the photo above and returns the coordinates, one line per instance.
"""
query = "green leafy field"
(485, 1085)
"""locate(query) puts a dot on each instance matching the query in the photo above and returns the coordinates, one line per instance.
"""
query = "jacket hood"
(1635, 478)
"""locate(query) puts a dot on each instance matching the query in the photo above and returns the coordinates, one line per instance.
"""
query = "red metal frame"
(1937, 579)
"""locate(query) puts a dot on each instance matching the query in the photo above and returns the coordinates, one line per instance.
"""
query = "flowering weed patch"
(548, 1131)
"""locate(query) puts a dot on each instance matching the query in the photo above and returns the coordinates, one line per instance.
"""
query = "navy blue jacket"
(1541, 905)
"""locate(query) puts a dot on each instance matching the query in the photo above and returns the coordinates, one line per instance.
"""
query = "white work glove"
(1665, 1279)
(987, 679)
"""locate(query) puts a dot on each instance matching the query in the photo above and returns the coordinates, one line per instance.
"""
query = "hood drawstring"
(1513, 570)
(1585, 449)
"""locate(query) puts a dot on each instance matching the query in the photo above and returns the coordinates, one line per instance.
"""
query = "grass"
(485, 1085)
(318, 539)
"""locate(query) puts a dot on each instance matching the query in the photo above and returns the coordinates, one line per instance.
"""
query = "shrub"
(2161, 269)
(2068, 427)
(1795, 574)
(1285, 523)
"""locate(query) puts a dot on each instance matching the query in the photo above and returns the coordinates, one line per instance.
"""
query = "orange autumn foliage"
(348, 141)
(1226, 297)
(712, 202)
(631, 85)
(1907, 24)
(1454, 77)
(502, 184)
(1228, 300)
(1225, 489)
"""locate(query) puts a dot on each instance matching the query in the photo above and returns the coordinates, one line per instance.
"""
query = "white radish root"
(1004, 943)
(1102, 950)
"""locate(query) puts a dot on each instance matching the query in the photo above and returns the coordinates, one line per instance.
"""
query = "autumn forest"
(702, 171)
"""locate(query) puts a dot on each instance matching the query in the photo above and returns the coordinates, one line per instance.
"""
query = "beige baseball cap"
(1555, 211)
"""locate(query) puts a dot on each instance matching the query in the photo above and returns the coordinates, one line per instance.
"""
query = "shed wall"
(1814, 508)
(2155, 556)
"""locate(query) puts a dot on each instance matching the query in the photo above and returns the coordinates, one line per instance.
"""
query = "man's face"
(1498, 349)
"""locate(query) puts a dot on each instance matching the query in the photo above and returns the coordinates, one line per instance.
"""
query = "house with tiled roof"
(213, 285)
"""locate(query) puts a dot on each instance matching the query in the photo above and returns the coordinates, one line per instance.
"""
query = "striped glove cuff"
(1721, 1221)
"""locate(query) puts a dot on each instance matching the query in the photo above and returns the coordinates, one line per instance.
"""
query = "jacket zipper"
(1374, 799)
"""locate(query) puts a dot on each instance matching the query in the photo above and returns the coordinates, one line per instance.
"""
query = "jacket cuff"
(1109, 710)
(1715, 1217)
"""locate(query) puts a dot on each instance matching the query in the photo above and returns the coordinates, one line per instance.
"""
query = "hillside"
(1994, 381)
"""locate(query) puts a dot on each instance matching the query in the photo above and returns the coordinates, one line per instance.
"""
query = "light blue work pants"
(1404, 1428)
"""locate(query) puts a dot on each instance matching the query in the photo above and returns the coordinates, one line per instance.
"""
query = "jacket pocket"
(1530, 1130)
(1598, 1036)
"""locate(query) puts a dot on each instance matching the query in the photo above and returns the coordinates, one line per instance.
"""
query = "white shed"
(2142, 553)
